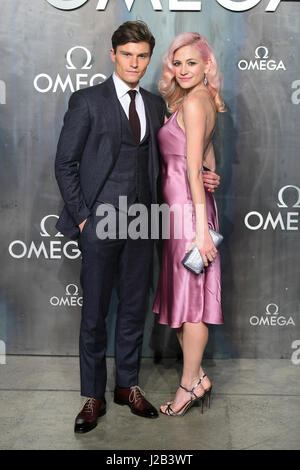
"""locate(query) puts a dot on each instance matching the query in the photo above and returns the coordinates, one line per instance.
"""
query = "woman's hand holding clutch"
(206, 247)
(196, 262)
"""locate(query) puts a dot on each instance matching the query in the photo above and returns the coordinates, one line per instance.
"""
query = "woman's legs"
(206, 382)
(193, 339)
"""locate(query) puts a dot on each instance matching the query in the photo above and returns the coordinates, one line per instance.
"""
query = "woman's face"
(189, 67)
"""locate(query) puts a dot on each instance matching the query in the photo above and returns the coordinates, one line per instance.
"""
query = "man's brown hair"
(132, 31)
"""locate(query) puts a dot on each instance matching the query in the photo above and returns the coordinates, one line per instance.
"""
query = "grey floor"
(256, 405)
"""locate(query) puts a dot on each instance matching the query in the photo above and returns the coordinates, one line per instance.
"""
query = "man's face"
(131, 61)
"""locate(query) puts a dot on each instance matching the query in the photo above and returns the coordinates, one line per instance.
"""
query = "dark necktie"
(134, 117)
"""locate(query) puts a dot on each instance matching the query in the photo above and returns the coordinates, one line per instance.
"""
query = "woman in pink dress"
(190, 85)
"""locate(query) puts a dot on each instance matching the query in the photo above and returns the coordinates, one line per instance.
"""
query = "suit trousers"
(126, 262)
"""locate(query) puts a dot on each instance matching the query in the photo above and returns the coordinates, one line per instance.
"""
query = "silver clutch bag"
(193, 260)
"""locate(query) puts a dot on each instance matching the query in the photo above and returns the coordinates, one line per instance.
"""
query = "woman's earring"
(205, 80)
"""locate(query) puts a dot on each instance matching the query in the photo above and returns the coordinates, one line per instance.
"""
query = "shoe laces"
(88, 405)
(136, 394)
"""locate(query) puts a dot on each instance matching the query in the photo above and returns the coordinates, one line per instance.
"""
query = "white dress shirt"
(124, 98)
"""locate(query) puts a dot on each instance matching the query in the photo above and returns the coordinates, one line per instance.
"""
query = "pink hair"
(172, 93)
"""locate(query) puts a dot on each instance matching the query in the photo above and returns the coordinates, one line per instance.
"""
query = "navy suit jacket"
(88, 146)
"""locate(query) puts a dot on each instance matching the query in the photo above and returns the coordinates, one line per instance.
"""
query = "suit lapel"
(110, 140)
(151, 114)
(112, 115)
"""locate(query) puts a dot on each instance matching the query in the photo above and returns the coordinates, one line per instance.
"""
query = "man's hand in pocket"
(82, 225)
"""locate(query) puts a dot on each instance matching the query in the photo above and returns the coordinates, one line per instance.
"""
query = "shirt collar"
(121, 87)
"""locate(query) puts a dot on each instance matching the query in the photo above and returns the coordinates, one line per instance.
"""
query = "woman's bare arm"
(195, 122)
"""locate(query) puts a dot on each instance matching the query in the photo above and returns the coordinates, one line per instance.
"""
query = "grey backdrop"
(257, 148)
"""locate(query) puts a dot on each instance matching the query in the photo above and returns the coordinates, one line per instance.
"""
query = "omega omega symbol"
(68, 289)
(86, 66)
(259, 56)
(43, 231)
(276, 309)
(280, 196)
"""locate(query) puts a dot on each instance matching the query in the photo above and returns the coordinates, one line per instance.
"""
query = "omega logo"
(272, 318)
(291, 222)
(261, 62)
(174, 5)
(48, 249)
(44, 83)
(71, 298)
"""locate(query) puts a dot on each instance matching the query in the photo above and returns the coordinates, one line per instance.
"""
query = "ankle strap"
(192, 391)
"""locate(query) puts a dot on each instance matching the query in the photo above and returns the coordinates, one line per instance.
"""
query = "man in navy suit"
(107, 149)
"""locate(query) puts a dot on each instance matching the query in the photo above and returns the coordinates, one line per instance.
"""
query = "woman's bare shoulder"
(195, 98)
(195, 105)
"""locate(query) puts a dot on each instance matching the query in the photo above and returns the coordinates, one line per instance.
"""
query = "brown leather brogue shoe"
(87, 418)
(134, 397)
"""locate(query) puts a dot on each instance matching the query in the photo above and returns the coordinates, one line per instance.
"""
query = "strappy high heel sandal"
(207, 392)
(170, 412)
